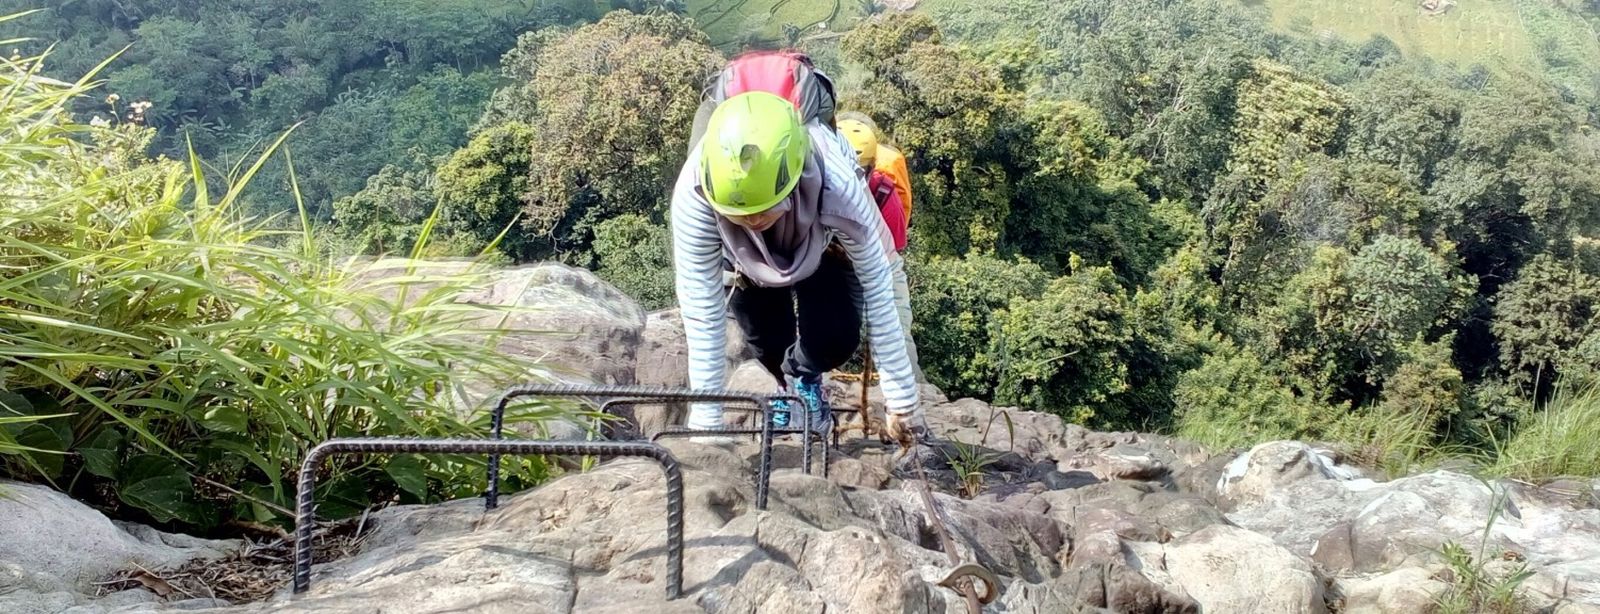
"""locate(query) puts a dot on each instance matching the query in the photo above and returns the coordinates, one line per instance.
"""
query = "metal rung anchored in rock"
(619, 396)
(767, 433)
(305, 512)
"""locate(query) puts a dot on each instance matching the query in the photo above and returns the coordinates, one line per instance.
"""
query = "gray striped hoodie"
(697, 252)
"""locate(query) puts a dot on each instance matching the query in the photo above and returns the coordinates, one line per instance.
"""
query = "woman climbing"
(776, 201)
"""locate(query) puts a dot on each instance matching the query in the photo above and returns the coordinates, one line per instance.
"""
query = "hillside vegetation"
(1173, 217)
(1551, 34)
(1176, 216)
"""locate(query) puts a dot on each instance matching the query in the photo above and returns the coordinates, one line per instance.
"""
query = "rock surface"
(53, 549)
(1071, 520)
(581, 328)
(1063, 520)
(46, 532)
(569, 317)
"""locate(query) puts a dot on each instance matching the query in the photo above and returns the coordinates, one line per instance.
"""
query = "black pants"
(805, 330)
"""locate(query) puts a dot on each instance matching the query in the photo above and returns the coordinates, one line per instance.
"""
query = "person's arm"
(697, 262)
(870, 257)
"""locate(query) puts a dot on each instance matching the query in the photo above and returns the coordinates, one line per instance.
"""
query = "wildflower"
(112, 99)
(99, 122)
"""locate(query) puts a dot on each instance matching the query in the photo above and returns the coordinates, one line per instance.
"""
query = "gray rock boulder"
(1413, 589)
(663, 355)
(1228, 569)
(1272, 466)
(581, 328)
(49, 535)
(1367, 531)
(53, 549)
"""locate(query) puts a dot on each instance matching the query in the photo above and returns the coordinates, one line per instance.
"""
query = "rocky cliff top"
(1071, 520)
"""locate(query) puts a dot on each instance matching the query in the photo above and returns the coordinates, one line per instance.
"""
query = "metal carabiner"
(991, 582)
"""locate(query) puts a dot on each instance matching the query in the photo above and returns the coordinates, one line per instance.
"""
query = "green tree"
(1341, 325)
(610, 107)
(373, 79)
(994, 170)
(953, 115)
(1283, 119)
(635, 255)
(1075, 351)
(387, 216)
(953, 303)
(1402, 119)
(1545, 322)
(1075, 191)
(1516, 177)
(1164, 75)
(483, 185)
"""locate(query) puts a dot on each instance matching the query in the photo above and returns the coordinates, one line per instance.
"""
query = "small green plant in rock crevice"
(969, 463)
(1476, 586)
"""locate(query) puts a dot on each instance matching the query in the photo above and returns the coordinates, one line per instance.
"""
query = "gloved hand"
(908, 429)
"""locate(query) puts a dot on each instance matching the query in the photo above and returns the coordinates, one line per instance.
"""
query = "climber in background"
(770, 195)
(885, 157)
(890, 187)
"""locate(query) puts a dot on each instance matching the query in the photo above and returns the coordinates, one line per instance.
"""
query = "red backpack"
(789, 74)
(881, 187)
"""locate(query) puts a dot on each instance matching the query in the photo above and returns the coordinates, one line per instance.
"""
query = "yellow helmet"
(863, 139)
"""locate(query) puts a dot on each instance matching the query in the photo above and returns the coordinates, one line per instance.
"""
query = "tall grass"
(161, 352)
(1477, 586)
(1558, 438)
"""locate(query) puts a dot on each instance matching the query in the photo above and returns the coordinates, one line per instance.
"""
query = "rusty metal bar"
(766, 431)
(305, 497)
(960, 579)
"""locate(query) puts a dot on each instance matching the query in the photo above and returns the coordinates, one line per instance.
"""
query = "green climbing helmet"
(752, 154)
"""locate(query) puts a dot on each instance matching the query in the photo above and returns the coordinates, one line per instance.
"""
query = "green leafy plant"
(162, 354)
(969, 463)
(1476, 585)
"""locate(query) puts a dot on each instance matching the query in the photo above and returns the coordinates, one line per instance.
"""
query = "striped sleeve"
(871, 261)
(697, 258)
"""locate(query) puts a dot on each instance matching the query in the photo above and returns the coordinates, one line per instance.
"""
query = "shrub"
(953, 301)
(161, 357)
(635, 255)
(1233, 399)
(1071, 350)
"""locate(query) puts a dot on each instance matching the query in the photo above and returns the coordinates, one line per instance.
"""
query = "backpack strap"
(881, 192)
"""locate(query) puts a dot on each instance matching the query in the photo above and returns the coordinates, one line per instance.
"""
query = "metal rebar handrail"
(756, 401)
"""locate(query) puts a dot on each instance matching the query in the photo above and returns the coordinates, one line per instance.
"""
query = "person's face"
(760, 222)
